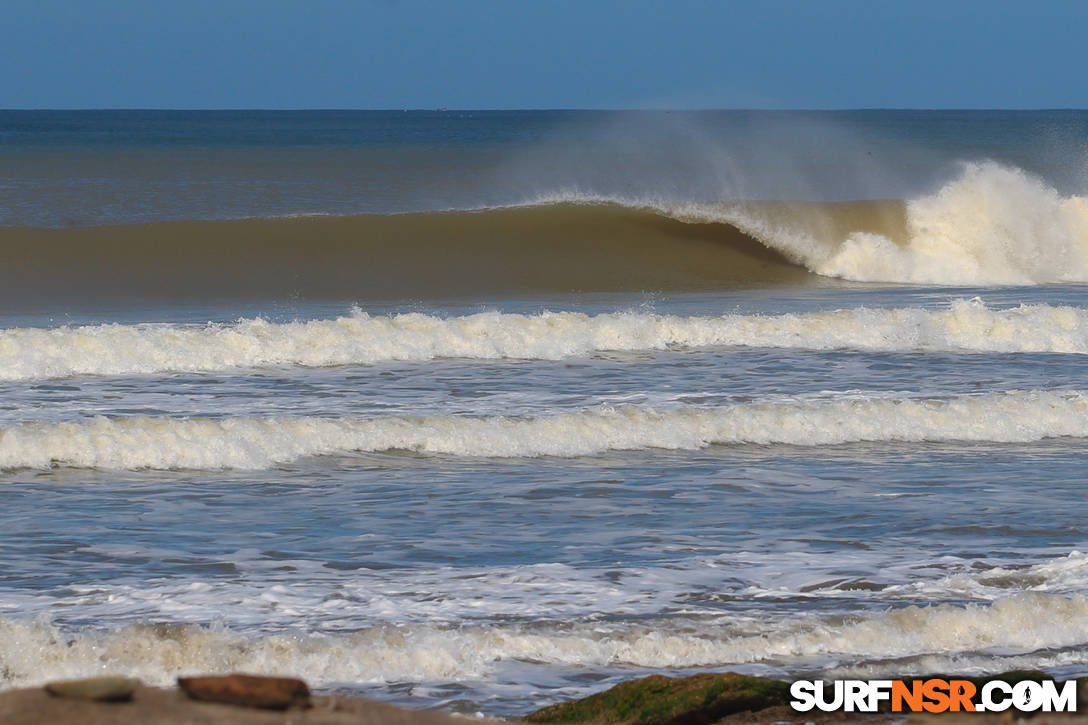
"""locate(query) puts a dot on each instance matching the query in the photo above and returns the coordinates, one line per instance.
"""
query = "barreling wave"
(967, 325)
(1025, 628)
(537, 248)
(991, 226)
(260, 443)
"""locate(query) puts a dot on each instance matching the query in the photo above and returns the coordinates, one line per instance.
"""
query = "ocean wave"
(992, 225)
(261, 443)
(1026, 627)
(114, 349)
(532, 249)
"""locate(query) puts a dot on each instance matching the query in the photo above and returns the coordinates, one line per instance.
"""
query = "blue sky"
(543, 54)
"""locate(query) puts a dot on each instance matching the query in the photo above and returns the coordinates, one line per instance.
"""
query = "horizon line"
(442, 109)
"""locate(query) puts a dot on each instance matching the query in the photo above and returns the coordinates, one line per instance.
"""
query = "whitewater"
(359, 338)
(991, 224)
(249, 443)
(421, 653)
(480, 411)
(1028, 617)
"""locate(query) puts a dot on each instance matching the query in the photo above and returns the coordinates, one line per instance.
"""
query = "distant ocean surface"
(484, 410)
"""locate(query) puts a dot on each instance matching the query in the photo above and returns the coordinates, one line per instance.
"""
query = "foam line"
(966, 325)
(260, 443)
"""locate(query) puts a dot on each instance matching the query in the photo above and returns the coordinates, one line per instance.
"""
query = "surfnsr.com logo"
(933, 695)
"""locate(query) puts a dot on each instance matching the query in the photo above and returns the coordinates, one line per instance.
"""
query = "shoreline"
(703, 699)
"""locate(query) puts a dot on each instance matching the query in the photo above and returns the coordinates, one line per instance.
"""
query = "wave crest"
(259, 443)
(967, 325)
(1024, 625)
(993, 225)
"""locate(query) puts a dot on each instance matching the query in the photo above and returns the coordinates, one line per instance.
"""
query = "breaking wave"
(993, 225)
(967, 325)
(260, 443)
(1026, 628)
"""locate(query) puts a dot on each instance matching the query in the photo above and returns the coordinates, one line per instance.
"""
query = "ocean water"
(482, 410)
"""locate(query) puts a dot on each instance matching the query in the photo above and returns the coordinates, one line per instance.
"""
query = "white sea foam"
(1061, 574)
(966, 325)
(307, 593)
(992, 225)
(257, 443)
(37, 651)
(1028, 618)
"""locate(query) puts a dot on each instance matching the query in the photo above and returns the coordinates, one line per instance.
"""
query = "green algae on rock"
(660, 700)
(709, 697)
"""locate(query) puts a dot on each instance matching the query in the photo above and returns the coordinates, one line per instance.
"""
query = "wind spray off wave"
(738, 457)
(993, 225)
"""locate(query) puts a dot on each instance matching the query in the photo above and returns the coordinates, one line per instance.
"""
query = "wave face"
(993, 225)
(540, 248)
(968, 325)
(1022, 627)
(260, 443)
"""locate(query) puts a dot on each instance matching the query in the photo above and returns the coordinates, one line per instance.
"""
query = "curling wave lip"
(992, 225)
